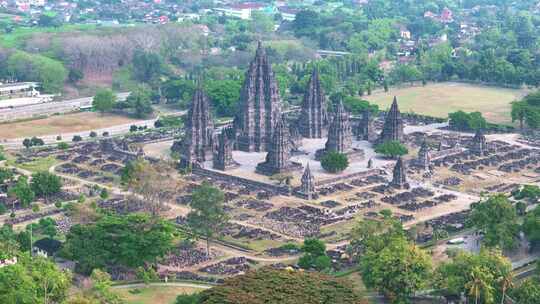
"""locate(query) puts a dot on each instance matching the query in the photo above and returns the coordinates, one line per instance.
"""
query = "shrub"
(3, 208)
(58, 204)
(93, 134)
(35, 208)
(63, 145)
(391, 148)
(104, 193)
(133, 128)
(77, 138)
(334, 162)
(59, 137)
(105, 134)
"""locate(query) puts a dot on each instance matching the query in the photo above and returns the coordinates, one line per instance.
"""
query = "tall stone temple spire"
(479, 144)
(307, 188)
(423, 160)
(196, 147)
(223, 158)
(313, 119)
(393, 124)
(339, 132)
(399, 175)
(278, 157)
(366, 129)
(259, 105)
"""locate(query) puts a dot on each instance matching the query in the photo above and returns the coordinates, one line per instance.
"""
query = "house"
(241, 10)
(287, 13)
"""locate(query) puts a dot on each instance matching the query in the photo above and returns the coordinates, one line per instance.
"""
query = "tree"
(531, 226)
(6, 175)
(27, 143)
(147, 66)
(261, 22)
(45, 184)
(519, 112)
(357, 106)
(34, 67)
(270, 285)
(207, 217)
(497, 218)
(334, 162)
(391, 149)
(22, 191)
(314, 255)
(33, 280)
(224, 95)
(63, 145)
(477, 275)
(397, 271)
(131, 240)
(139, 100)
(462, 121)
(104, 100)
(152, 182)
(527, 292)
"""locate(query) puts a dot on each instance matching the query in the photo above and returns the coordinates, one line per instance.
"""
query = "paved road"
(48, 108)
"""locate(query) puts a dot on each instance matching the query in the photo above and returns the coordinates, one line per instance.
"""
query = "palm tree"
(478, 284)
(506, 283)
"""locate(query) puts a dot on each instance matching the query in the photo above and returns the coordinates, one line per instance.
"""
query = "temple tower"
(278, 157)
(223, 158)
(307, 188)
(423, 160)
(366, 130)
(259, 105)
(339, 132)
(393, 124)
(479, 143)
(196, 147)
(399, 175)
(313, 119)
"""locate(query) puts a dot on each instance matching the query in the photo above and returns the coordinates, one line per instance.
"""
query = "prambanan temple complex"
(264, 141)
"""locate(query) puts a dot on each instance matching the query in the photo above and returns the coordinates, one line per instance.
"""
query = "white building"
(241, 10)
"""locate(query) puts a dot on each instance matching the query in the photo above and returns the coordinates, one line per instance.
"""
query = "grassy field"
(37, 165)
(154, 294)
(439, 99)
(78, 122)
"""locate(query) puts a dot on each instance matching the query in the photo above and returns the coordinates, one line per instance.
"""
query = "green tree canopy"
(462, 121)
(334, 162)
(22, 191)
(391, 149)
(481, 273)
(131, 240)
(207, 217)
(34, 67)
(104, 100)
(497, 218)
(269, 285)
(45, 184)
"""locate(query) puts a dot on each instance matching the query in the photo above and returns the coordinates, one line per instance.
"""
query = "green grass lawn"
(153, 294)
(18, 34)
(37, 165)
(439, 99)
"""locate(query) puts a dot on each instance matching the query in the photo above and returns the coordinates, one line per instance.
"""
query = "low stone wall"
(282, 190)
(444, 153)
(353, 175)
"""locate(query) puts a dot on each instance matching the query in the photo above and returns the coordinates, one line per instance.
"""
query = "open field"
(154, 294)
(439, 99)
(78, 122)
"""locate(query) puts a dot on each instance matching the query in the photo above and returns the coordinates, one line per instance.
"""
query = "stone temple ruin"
(393, 125)
(423, 161)
(313, 120)
(307, 188)
(278, 156)
(259, 105)
(366, 128)
(196, 147)
(479, 144)
(340, 136)
(399, 175)
(223, 157)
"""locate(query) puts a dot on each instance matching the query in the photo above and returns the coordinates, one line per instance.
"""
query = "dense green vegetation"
(391, 149)
(268, 285)
(334, 162)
